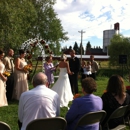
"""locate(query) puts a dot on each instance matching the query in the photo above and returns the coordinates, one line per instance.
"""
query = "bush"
(109, 72)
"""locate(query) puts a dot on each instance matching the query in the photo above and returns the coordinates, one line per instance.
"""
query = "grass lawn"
(9, 114)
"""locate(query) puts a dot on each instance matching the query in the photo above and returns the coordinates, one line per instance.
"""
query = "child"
(88, 69)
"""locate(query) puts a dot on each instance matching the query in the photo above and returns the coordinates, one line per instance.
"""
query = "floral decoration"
(104, 91)
(76, 96)
(127, 87)
(79, 76)
(6, 73)
(30, 46)
(42, 42)
(28, 68)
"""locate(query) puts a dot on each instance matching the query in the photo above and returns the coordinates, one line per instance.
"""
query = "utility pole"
(81, 42)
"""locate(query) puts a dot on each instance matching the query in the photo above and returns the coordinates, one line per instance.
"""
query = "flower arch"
(32, 44)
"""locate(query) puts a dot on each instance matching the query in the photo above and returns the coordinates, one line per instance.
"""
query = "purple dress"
(49, 68)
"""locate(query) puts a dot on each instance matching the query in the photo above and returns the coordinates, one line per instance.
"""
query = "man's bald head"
(39, 79)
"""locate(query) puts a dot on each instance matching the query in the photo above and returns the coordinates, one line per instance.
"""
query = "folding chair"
(119, 112)
(127, 116)
(91, 118)
(55, 123)
(4, 126)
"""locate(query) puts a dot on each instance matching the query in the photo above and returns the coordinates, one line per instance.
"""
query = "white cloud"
(92, 16)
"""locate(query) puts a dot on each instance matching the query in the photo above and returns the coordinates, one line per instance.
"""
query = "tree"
(76, 48)
(47, 25)
(55, 48)
(64, 48)
(21, 20)
(82, 49)
(16, 19)
(120, 45)
(70, 47)
(88, 46)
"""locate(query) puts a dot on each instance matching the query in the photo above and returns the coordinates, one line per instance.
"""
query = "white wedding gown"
(63, 88)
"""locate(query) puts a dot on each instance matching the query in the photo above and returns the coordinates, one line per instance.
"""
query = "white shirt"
(87, 70)
(40, 102)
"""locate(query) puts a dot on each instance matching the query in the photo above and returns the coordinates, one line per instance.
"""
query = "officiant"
(49, 69)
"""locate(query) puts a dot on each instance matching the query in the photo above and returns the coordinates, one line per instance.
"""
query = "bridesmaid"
(20, 76)
(49, 69)
(3, 79)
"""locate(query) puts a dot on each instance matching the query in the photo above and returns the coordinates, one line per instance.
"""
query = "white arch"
(28, 45)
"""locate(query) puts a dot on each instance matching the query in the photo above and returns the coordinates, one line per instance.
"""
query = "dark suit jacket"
(74, 65)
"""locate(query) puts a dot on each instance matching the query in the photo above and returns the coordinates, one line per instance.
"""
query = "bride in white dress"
(62, 85)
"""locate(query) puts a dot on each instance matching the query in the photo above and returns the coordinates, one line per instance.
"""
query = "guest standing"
(85, 69)
(83, 105)
(20, 76)
(9, 67)
(74, 64)
(94, 67)
(49, 69)
(40, 102)
(3, 79)
(114, 97)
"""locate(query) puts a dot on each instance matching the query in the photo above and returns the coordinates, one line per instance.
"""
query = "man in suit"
(9, 66)
(40, 102)
(74, 64)
(83, 105)
(94, 67)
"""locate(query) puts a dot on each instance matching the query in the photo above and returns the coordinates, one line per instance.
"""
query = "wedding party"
(64, 65)
(49, 96)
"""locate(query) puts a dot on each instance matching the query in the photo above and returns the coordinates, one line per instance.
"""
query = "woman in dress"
(88, 68)
(62, 85)
(49, 69)
(20, 80)
(114, 97)
(3, 79)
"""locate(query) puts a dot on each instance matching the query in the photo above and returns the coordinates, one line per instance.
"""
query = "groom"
(74, 64)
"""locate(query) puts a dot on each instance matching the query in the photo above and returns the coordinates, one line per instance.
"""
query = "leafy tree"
(16, 18)
(47, 25)
(55, 47)
(120, 45)
(22, 19)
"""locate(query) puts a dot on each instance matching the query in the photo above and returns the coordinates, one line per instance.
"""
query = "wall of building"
(107, 35)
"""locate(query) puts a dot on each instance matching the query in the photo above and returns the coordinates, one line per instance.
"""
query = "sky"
(92, 17)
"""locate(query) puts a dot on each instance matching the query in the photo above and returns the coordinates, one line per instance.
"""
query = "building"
(107, 35)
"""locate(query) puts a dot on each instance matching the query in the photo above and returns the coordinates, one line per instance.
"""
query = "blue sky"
(92, 16)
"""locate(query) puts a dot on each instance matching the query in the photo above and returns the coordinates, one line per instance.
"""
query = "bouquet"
(28, 68)
(76, 96)
(79, 76)
(6, 74)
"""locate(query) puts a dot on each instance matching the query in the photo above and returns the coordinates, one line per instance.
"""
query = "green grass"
(9, 114)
